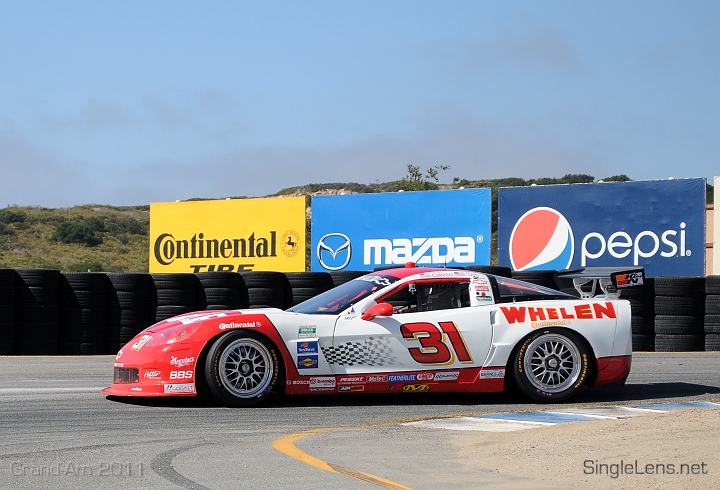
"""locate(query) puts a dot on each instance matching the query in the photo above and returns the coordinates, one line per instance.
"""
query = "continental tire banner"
(659, 225)
(228, 235)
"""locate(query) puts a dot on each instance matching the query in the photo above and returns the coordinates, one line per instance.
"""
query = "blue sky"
(134, 102)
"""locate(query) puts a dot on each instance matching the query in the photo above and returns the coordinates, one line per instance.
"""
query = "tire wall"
(46, 312)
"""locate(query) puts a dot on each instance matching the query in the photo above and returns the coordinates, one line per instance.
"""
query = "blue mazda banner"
(659, 225)
(430, 228)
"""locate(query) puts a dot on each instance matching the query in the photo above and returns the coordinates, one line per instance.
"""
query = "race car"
(404, 330)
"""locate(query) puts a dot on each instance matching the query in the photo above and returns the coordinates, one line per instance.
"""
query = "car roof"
(403, 272)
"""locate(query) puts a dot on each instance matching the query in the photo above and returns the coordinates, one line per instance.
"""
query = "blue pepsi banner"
(659, 225)
(430, 228)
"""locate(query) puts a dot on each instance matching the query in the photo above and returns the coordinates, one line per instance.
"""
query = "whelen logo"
(437, 250)
(541, 239)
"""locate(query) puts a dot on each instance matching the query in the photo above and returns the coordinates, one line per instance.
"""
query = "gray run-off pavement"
(58, 431)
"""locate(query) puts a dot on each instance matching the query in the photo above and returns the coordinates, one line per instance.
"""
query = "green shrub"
(127, 225)
(84, 232)
(85, 266)
(5, 229)
(9, 216)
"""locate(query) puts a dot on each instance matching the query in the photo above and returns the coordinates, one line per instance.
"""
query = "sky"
(127, 103)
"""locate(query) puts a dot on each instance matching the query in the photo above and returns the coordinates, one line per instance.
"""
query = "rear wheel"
(551, 366)
(242, 368)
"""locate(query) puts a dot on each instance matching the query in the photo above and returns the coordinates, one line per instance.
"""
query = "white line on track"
(20, 391)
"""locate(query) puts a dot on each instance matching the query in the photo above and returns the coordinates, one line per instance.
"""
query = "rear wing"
(610, 280)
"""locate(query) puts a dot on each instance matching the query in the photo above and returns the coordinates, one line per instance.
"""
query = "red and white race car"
(398, 330)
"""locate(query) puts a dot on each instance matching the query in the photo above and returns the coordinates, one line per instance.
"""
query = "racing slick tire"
(243, 368)
(551, 366)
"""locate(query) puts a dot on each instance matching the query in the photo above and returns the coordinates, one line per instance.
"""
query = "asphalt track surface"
(58, 431)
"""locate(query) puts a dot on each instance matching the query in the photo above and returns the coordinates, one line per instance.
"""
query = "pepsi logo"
(541, 239)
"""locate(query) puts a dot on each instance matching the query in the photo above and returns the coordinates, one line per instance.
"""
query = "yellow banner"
(232, 235)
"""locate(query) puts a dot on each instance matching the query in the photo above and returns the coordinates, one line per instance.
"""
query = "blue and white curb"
(511, 421)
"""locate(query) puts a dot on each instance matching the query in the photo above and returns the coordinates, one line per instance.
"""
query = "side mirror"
(380, 309)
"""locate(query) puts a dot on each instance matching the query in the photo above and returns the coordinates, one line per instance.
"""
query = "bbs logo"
(181, 374)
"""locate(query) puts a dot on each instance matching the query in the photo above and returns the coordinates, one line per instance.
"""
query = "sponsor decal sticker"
(630, 279)
(298, 382)
(377, 379)
(181, 374)
(492, 374)
(425, 376)
(179, 388)
(231, 325)
(152, 374)
(401, 378)
(119, 364)
(119, 355)
(307, 362)
(351, 388)
(135, 388)
(447, 376)
(307, 347)
(352, 380)
(307, 332)
(322, 384)
(180, 362)
(416, 388)
(139, 344)
(545, 317)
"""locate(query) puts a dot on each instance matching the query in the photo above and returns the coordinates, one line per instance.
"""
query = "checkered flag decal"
(371, 352)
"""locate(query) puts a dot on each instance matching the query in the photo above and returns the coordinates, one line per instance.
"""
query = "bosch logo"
(541, 239)
(334, 251)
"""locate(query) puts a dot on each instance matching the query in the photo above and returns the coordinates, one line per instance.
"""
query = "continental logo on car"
(416, 388)
(228, 235)
(546, 317)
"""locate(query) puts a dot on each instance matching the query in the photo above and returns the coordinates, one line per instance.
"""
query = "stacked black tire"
(175, 294)
(642, 307)
(129, 301)
(712, 313)
(302, 286)
(545, 278)
(266, 289)
(221, 291)
(37, 312)
(679, 313)
(82, 313)
(8, 278)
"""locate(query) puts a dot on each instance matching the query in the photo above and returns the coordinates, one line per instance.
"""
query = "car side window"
(413, 298)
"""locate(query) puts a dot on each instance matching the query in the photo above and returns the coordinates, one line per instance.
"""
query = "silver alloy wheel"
(552, 363)
(246, 368)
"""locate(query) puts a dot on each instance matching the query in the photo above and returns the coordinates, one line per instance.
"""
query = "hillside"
(115, 239)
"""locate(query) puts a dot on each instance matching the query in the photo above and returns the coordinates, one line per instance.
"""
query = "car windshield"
(343, 296)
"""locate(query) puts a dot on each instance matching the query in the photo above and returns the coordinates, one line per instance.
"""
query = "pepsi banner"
(659, 225)
(430, 228)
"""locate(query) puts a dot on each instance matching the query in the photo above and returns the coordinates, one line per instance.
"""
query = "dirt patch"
(672, 450)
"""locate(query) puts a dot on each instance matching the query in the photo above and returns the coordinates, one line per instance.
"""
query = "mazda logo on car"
(334, 244)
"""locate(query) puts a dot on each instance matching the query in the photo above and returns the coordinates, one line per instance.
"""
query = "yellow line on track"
(286, 444)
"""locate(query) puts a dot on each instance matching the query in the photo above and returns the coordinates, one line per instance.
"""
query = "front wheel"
(242, 368)
(551, 366)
